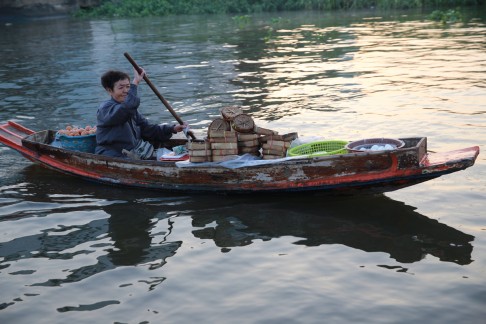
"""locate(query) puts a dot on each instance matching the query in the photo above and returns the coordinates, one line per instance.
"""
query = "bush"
(448, 16)
(143, 8)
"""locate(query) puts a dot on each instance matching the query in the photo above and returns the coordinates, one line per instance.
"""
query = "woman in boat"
(121, 130)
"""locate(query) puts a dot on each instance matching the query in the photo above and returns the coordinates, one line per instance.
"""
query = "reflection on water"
(371, 224)
(137, 230)
(124, 237)
(372, 69)
(129, 228)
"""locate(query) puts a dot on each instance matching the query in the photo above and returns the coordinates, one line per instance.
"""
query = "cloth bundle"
(142, 151)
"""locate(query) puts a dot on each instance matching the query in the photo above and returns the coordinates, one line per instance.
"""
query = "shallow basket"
(83, 143)
(365, 145)
(319, 148)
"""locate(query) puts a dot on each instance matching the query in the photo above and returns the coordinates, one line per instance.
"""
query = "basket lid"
(219, 124)
(230, 112)
(243, 123)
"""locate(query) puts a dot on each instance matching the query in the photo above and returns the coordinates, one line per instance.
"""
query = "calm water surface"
(77, 252)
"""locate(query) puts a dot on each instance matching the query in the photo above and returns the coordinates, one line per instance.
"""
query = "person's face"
(120, 90)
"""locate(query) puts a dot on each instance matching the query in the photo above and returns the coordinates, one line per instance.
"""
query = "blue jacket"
(120, 126)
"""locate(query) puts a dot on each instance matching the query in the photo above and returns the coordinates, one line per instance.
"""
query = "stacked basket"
(319, 148)
(234, 133)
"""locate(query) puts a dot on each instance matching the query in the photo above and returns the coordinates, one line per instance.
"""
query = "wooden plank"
(224, 146)
(232, 139)
(250, 143)
(247, 137)
(198, 145)
(221, 133)
(200, 152)
(224, 152)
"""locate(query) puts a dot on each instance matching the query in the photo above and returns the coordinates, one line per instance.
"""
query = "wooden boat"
(378, 171)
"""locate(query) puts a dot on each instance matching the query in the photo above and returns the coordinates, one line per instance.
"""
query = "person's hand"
(180, 128)
(138, 76)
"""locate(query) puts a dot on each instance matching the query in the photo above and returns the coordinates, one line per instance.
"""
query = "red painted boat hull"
(375, 171)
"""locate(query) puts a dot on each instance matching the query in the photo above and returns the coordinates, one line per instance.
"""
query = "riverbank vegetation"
(144, 8)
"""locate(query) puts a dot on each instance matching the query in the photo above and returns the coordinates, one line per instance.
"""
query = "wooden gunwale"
(394, 169)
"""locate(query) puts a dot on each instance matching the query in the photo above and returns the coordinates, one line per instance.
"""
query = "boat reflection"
(139, 223)
(130, 228)
(369, 223)
(126, 237)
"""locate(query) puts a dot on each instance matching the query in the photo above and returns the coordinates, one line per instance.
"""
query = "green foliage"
(448, 16)
(143, 8)
(129, 8)
(242, 21)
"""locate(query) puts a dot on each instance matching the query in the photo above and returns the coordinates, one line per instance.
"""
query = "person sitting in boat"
(121, 130)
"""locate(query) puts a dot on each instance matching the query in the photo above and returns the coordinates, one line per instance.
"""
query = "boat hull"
(345, 173)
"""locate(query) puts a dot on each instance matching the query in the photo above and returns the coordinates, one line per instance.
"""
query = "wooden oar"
(157, 93)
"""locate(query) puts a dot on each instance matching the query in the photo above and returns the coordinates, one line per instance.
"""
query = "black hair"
(109, 78)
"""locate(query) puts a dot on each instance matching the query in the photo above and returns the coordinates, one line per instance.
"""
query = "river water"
(77, 252)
